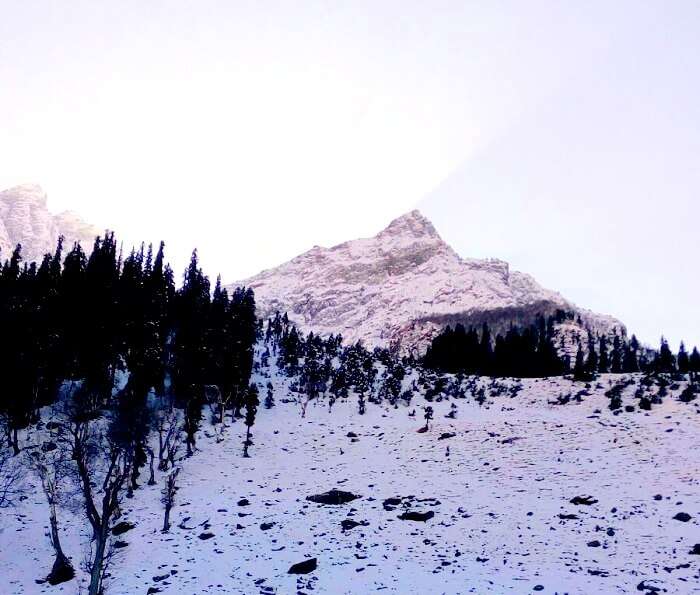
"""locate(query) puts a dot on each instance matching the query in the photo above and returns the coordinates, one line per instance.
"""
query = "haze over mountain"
(25, 219)
(404, 285)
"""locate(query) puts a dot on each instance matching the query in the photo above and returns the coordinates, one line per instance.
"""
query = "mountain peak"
(25, 219)
(25, 192)
(412, 224)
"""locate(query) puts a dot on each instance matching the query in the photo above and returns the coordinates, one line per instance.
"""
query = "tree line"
(538, 350)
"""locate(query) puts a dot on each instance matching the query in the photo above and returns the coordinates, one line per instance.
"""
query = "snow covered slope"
(25, 219)
(500, 488)
(403, 285)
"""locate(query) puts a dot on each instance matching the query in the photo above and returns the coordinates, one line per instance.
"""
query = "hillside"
(499, 479)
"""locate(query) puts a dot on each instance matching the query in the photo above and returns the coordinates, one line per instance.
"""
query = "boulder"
(348, 524)
(391, 503)
(412, 515)
(303, 567)
(583, 500)
(122, 527)
(334, 497)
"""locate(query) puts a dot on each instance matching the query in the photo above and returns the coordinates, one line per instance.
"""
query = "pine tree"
(665, 362)
(694, 361)
(580, 372)
(630, 363)
(616, 356)
(251, 408)
(603, 356)
(592, 357)
(683, 359)
(269, 398)
(190, 348)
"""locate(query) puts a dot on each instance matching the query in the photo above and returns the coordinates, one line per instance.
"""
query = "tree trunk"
(166, 518)
(62, 569)
(152, 478)
(15, 442)
(247, 442)
(97, 562)
(55, 538)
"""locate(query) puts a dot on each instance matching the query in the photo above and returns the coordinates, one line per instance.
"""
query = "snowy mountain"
(403, 286)
(25, 219)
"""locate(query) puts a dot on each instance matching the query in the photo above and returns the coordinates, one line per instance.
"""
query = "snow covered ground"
(498, 496)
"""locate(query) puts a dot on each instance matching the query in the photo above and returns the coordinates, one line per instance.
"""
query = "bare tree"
(168, 499)
(169, 437)
(50, 467)
(97, 455)
(151, 457)
(11, 478)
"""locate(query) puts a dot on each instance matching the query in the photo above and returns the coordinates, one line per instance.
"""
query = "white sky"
(562, 138)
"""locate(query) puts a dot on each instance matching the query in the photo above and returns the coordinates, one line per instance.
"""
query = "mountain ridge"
(402, 286)
(25, 219)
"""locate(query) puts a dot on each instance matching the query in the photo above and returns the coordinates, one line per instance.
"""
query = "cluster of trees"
(121, 354)
(538, 351)
(523, 352)
(325, 367)
(621, 356)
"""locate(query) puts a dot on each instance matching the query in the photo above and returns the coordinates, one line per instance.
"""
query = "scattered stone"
(649, 589)
(684, 517)
(122, 527)
(594, 543)
(243, 502)
(568, 517)
(446, 435)
(348, 524)
(583, 500)
(391, 503)
(206, 535)
(351, 435)
(412, 515)
(334, 497)
(696, 550)
(303, 567)
(119, 544)
(266, 526)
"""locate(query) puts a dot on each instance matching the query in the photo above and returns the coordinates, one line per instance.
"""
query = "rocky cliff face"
(403, 286)
(25, 219)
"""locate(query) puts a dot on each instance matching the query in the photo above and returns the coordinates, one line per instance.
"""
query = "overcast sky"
(561, 137)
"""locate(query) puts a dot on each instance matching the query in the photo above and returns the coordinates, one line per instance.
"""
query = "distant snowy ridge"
(25, 219)
(404, 285)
